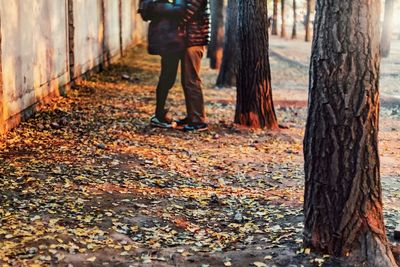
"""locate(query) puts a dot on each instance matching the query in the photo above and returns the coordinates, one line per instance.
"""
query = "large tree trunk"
(227, 73)
(387, 28)
(254, 107)
(275, 18)
(215, 48)
(294, 30)
(343, 202)
(307, 23)
(283, 20)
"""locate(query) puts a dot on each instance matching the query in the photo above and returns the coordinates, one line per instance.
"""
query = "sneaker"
(155, 122)
(182, 122)
(196, 127)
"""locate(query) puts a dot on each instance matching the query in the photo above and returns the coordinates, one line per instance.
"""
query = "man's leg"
(169, 69)
(191, 84)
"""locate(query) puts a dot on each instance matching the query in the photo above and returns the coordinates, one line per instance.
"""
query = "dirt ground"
(87, 182)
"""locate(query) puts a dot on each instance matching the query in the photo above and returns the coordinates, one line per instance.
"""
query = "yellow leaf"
(91, 259)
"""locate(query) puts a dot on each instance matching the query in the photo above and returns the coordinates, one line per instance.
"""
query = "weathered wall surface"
(140, 32)
(134, 30)
(2, 124)
(33, 51)
(127, 12)
(88, 35)
(47, 43)
(112, 28)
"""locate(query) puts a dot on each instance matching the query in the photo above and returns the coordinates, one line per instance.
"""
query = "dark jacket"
(166, 30)
(175, 26)
(197, 21)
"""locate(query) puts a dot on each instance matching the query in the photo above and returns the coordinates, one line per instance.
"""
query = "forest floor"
(87, 182)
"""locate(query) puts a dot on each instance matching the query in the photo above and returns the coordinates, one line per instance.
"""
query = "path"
(87, 182)
(296, 55)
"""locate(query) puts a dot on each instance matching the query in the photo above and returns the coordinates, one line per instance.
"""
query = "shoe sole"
(160, 126)
(196, 130)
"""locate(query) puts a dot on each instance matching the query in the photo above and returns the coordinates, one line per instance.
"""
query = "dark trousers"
(191, 82)
(169, 69)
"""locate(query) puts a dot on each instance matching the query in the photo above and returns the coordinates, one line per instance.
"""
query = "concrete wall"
(2, 119)
(127, 10)
(137, 23)
(88, 35)
(134, 30)
(47, 43)
(33, 51)
(112, 28)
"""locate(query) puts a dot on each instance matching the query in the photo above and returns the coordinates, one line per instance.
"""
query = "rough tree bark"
(387, 28)
(275, 18)
(307, 23)
(254, 107)
(283, 20)
(71, 39)
(294, 30)
(343, 202)
(227, 73)
(215, 48)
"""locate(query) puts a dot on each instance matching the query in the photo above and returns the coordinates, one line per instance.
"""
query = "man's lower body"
(192, 88)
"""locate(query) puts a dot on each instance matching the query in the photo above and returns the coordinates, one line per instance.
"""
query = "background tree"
(343, 202)
(227, 73)
(294, 30)
(215, 48)
(254, 107)
(307, 22)
(283, 20)
(275, 18)
(387, 28)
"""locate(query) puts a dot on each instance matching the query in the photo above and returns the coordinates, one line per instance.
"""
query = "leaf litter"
(87, 182)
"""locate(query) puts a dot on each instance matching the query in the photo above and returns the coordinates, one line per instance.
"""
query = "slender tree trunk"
(307, 23)
(283, 20)
(254, 107)
(227, 73)
(387, 28)
(343, 199)
(215, 48)
(275, 19)
(294, 30)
